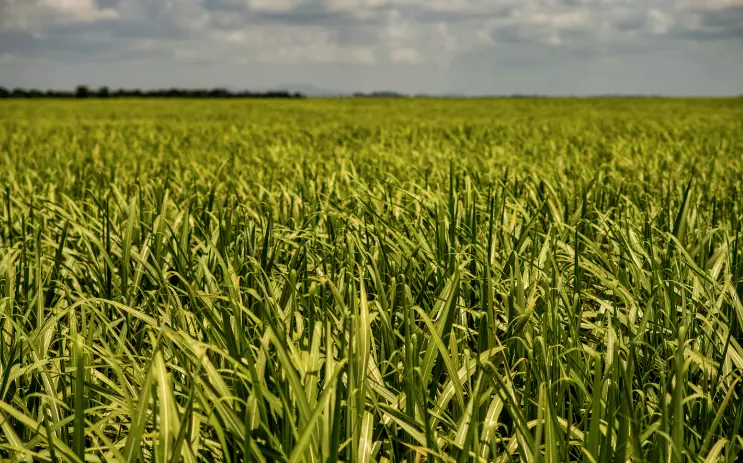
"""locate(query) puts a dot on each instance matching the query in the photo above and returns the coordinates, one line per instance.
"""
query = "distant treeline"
(104, 92)
(380, 94)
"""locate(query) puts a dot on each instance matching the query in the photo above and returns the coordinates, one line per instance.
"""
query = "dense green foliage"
(365, 280)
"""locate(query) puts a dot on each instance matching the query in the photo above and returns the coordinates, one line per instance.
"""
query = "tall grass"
(401, 281)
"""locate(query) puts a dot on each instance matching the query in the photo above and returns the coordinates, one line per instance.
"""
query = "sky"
(465, 47)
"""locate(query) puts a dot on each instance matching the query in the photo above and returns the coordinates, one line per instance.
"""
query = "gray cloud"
(717, 24)
(471, 46)
(632, 22)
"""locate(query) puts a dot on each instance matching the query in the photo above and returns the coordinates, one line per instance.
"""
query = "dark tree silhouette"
(380, 94)
(82, 91)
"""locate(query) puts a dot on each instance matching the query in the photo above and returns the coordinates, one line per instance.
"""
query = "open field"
(371, 280)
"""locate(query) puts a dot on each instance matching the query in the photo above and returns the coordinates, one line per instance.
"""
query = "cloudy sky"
(674, 47)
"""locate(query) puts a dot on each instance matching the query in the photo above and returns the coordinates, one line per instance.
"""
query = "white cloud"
(364, 55)
(562, 20)
(18, 15)
(659, 22)
(80, 10)
(273, 6)
(397, 29)
(406, 55)
(454, 6)
(355, 5)
(449, 41)
(232, 36)
(33, 15)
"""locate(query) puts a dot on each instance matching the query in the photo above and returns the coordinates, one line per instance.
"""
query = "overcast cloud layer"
(673, 47)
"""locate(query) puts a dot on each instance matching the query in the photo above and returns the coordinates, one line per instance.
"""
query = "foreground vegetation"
(360, 280)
